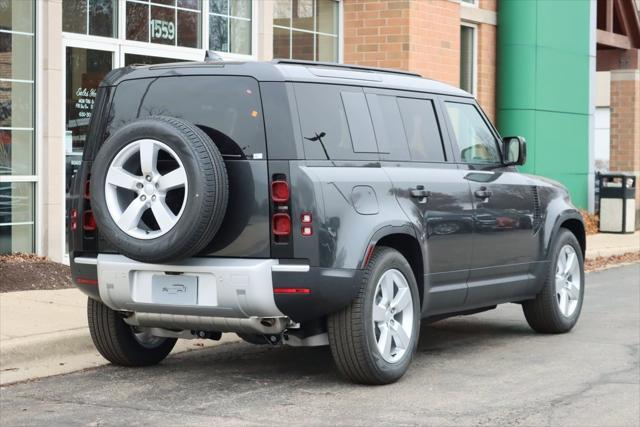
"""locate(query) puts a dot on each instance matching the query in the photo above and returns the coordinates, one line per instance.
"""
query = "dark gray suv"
(308, 204)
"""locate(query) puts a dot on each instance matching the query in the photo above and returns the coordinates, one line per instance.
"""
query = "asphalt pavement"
(485, 369)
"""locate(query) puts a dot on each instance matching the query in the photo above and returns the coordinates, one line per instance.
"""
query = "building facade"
(54, 53)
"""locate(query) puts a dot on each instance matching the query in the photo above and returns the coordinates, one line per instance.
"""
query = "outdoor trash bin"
(617, 203)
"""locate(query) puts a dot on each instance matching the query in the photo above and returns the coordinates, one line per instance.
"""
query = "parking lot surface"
(486, 369)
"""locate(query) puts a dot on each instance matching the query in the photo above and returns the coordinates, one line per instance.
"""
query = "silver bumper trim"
(86, 260)
(299, 268)
(229, 288)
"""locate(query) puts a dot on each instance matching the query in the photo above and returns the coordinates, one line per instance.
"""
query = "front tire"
(120, 343)
(557, 307)
(374, 338)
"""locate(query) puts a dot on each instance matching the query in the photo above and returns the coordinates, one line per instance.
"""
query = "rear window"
(227, 108)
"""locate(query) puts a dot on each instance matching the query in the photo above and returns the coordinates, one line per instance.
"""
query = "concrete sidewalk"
(45, 333)
(607, 244)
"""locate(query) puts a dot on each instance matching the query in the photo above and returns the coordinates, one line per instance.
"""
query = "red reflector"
(88, 221)
(367, 256)
(85, 281)
(73, 215)
(305, 218)
(281, 224)
(280, 191)
(307, 230)
(291, 290)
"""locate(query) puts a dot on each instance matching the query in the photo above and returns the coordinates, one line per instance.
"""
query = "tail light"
(73, 217)
(281, 224)
(88, 221)
(280, 191)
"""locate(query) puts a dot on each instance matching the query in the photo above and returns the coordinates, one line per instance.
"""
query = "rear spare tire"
(159, 189)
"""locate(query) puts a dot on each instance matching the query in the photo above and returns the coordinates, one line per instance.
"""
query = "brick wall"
(376, 33)
(486, 92)
(421, 36)
(625, 126)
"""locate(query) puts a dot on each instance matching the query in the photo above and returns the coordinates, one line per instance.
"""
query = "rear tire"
(356, 332)
(117, 341)
(557, 307)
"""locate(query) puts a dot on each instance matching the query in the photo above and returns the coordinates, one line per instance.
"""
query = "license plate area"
(174, 289)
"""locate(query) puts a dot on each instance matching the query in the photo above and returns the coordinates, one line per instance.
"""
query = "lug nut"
(143, 197)
(153, 197)
(139, 185)
(148, 177)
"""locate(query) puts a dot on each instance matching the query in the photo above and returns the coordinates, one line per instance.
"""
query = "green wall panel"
(543, 86)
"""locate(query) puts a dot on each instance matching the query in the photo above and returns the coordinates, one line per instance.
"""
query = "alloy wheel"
(392, 315)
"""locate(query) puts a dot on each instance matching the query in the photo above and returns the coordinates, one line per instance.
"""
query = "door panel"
(444, 219)
(504, 243)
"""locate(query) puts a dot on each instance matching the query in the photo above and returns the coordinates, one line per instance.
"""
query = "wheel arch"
(572, 221)
(402, 239)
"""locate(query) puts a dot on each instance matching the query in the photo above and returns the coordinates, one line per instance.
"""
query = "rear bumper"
(227, 289)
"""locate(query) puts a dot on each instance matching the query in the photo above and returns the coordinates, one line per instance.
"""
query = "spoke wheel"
(144, 198)
(567, 280)
(374, 338)
(392, 315)
(557, 306)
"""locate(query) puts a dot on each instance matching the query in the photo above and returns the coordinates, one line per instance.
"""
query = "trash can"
(617, 203)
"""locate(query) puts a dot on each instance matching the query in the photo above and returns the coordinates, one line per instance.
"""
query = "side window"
(475, 140)
(359, 120)
(326, 131)
(388, 127)
(422, 130)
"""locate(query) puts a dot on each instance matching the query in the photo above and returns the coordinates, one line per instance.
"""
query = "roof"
(290, 71)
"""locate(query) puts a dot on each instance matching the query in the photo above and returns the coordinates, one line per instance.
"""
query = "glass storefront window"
(305, 29)
(85, 70)
(16, 217)
(169, 22)
(230, 26)
(17, 93)
(93, 17)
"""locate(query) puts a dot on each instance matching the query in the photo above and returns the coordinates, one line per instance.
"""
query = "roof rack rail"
(345, 66)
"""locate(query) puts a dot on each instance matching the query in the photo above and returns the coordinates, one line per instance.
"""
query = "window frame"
(453, 140)
(33, 179)
(474, 56)
(338, 36)
(155, 49)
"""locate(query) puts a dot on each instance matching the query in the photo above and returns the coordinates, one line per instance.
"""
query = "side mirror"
(514, 150)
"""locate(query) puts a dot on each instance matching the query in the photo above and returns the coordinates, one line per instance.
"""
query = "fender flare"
(562, 217)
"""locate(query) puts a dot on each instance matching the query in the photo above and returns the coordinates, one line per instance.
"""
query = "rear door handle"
(483, 193)
(419, 192)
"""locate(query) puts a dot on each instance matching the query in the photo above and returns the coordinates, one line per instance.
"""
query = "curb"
(62, 352)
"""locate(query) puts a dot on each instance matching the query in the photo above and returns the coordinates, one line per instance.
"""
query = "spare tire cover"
(159, 189)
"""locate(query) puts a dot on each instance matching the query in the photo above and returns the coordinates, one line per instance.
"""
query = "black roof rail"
(344, 66)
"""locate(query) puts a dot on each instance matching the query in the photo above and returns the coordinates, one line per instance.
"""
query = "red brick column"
(625, 126)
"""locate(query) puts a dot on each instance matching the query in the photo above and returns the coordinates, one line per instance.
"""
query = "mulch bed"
(24, 272)
(608, 261)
